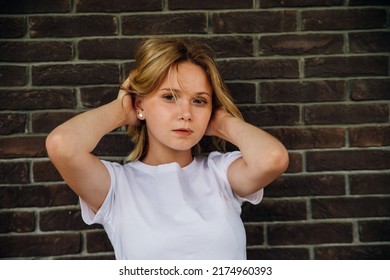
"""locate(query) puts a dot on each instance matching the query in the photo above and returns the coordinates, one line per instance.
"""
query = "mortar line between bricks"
(165, 5)
(322, 245)
(84, 248)
(348, 185)
(221, 10)
(31, 171)
(299, 20)
(355, 232)
(309, 213)
(209, 22)
(265, 234)
(28, 125)
(304, 162)
(200, 35)
(72, 7)
(346, 47)
(69, 207)
(318, 221)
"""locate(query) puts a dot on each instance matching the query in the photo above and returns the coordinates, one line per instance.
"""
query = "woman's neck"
(183, 158)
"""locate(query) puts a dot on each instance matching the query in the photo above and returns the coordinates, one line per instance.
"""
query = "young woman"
(168, 201)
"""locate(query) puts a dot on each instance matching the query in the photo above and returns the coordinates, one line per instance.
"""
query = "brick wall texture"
(315, 74)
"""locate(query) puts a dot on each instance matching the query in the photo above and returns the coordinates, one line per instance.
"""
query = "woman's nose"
(184, 110)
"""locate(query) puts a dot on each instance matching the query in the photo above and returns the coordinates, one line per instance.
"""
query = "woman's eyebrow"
(174, 90)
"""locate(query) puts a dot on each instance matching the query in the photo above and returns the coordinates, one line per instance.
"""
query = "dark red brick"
(254, 22)
(307, 185)
(94, 49)
(370, 89)
(37, 99)
(368, 2)
(17, 222)
(97, 241)
(66, 219)
(45, 122)
(14, 173)
(274, 210)
(12, 76)
(255, 234)
(271, 115)
(369, 136)
(246, 69)
(37, 6)
(309, 138)
(73, 26)
(157, 24)
(346, 114)
(348, 160)
(309, 233)
(306, 44)
(351, 207)
(127, 67)
(35, 51)
(369, 42)
(299, 3)
(311, 91)
(277, 253)
(44, 171)
(373, 231)
(114, 145)
(343, 19)
(351, 66)
(353, 252)
(37, 196)
(92, 97)
(12, 123)
(12, 27)
(75, 74)
(229, 46)
(17, 147)
(40, 245)
(243, 92)
(295, 163)
(206, 4)
(117, 6)
(98, 256)
(372, 183)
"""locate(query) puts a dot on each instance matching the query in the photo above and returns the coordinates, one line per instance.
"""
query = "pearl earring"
(140, 115)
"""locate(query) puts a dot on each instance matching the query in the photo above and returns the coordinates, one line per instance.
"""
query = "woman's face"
(177, 122)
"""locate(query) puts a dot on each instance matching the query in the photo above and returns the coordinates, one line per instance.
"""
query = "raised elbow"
(276, 163)
(57, 145)
(281, 160)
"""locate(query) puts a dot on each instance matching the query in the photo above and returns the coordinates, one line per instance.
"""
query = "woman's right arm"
(70, 147)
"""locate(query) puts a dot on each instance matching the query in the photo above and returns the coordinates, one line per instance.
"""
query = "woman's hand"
(216, 123)
(263, 159)
(126, 99)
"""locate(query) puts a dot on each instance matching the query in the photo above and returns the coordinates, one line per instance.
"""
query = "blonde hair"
(155, 58)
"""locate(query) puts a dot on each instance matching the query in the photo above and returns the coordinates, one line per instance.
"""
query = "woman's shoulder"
(219, 157)
(217, 161)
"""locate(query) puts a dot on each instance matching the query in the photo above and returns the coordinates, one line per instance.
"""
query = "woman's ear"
(138, 107)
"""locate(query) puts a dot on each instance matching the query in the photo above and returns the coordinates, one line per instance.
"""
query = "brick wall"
(313, 73)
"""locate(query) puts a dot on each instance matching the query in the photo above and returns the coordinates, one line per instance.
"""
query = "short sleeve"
(221, 163)
(103, 214)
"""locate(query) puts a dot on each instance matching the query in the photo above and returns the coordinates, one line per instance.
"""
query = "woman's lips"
(183, 131)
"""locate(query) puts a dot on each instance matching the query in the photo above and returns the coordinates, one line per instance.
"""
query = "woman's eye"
(199, 101)
(169, 97)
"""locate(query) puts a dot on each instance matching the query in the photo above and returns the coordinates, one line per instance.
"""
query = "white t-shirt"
(169, 212)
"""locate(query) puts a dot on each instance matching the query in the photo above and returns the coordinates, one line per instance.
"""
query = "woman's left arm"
(263, 159)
